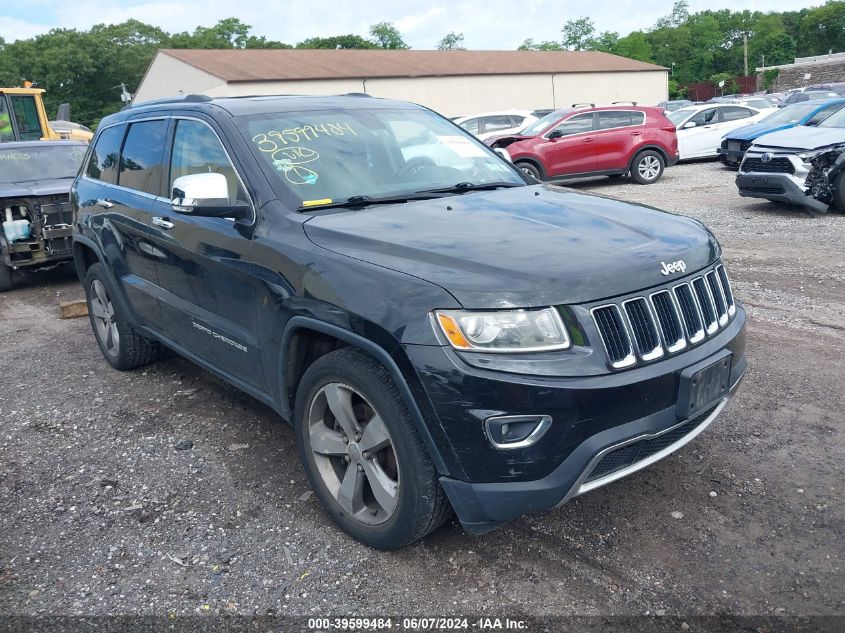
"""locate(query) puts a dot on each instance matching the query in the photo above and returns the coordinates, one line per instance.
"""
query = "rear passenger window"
(104, 157)
(735, 113)
(471, 125)
(197, 150)
(623, 118)
(140, 160)
(496, 123)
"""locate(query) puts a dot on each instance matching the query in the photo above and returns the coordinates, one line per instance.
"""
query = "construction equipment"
(24, 118)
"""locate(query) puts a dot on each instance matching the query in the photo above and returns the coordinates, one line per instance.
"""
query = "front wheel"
(839, 192)
(531, 170)
(647, 167)
(362, 453)
(5, 278)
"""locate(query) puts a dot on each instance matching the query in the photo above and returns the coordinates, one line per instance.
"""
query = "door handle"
(589, 140)
(636, 133)
(106, 204)
(163, 223)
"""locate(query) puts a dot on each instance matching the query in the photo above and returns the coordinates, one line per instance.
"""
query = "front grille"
(774, 166)
(771, 190)
(669, 320)
(629, 455)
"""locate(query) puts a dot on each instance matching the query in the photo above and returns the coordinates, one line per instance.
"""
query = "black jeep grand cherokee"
(441, 333)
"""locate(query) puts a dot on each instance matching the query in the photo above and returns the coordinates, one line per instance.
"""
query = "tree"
(578, 34)
(634, 46)
(452, 42)
(386, 35)
(337, 41)
(822, 29)
(606, 41)
(678, 16)
(531, 45)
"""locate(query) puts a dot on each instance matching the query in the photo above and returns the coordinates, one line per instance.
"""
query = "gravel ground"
(165, 491)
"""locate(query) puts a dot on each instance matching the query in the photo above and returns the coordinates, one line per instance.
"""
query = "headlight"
(504, 330)
(809, 157)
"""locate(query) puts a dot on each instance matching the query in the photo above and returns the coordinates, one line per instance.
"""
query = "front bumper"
(778, 188)
(731, 156)
(592, 417)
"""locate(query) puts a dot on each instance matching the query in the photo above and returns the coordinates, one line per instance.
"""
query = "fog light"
(516, 431)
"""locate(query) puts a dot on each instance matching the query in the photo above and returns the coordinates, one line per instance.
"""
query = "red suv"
(590, 141)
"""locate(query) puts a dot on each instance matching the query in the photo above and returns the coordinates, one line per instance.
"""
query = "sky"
(486, 24)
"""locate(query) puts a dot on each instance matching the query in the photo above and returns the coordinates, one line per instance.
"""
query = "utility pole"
(745, 51)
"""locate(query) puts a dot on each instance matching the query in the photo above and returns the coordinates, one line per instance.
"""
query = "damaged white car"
(802, 165)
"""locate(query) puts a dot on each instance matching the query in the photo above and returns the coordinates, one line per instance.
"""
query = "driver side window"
(706, 117)
(576, 124)
(197, 150)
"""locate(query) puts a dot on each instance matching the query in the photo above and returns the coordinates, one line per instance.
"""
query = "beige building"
(453, 83)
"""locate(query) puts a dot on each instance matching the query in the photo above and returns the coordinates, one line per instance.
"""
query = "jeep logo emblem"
(766, 158)
(675, 267)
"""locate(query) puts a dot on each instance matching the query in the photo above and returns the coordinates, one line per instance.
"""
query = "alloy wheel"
(649, 167)
(104, 319)
(353, 453)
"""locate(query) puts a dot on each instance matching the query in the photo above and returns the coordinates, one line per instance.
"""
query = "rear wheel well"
(306, 346)
(83, 258)
(653, 148)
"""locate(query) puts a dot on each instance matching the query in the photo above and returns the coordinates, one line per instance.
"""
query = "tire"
(530, 169)
(394, 497)
(647, 167)
(839, 192)
(119, 342)
(5, 278)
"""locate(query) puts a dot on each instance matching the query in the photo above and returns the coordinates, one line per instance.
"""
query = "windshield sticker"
(14, 156)
(314, 203)
(463, 146)
(290, 161)
(269, 141)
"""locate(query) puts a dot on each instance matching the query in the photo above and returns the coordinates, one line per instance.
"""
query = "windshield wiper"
(364, 201)
(462, 187)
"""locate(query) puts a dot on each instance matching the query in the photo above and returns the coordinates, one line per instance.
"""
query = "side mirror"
(555, 134)
(205, 195)
(689, 124)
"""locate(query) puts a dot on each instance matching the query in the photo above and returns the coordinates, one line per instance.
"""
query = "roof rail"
(192, 98)
(633, 103)
(584, 105)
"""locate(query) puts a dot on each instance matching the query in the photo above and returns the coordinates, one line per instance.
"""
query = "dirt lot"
(167, 491)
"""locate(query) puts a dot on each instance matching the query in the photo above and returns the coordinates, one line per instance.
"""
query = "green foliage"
(578, 34)
(770, 77)
(386, 35)
(675, 91)
(337, 41)
(452, 42)
(531, 45)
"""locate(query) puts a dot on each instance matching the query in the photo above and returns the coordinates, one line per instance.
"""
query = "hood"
(29, 188)
(751, 132)
(521, 247)
(803, 137)
(503, 140)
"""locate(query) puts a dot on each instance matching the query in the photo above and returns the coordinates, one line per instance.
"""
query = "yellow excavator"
(23, 118)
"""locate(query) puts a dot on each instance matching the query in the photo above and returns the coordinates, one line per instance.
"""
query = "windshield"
(40, 162)
(541, 125)
(791, 114)
(837, 119)
(678, 116)
(327, 156)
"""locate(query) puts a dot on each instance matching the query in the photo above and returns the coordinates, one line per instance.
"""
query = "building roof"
(300, 64)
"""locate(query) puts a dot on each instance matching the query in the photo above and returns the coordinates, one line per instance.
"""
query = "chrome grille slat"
(614, 336)
(646, 328)
(705, 304)
(669, 319)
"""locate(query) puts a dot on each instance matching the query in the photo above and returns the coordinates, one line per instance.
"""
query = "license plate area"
(704, 384)
(734, 147)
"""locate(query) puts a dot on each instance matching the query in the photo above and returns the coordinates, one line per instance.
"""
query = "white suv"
(802, 165)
